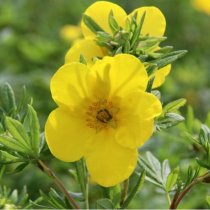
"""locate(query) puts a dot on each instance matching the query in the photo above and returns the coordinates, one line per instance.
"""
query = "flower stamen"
(104, 116)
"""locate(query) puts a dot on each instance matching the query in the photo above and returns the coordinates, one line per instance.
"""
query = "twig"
(181, 195)
(57, 181)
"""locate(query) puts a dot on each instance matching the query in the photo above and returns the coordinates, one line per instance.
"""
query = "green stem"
(182, 194)
(57, 181)
(87, 193)
(168, 198)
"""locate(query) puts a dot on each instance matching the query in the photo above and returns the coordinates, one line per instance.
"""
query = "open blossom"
(154, 25)
(202, 5)
(103, 115)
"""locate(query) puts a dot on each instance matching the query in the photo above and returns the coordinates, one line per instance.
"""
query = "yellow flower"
(70, 33)
(154, 25)
(103, 115)
(202, 5)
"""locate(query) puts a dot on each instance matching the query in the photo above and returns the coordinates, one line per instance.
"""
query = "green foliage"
(104, 204)
(11, 199)
(168, 118)
(52, 201)
(130, 40)
(157, 173)
(139, 180)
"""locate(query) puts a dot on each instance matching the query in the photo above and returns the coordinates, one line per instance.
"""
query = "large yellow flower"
(154, 25)
(103, 115)
(202, 5)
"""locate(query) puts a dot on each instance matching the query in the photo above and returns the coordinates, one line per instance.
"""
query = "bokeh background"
(33, 44)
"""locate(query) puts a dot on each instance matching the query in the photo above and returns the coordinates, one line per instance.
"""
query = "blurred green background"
(32, 49)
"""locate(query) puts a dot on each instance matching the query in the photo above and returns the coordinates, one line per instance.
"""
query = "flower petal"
(99, 12)
(123, 73)
(136, 118)
(135, 133)
(108, 162)
(86, 47)
(160, 76)
(63, 139)
(154, 22)
(68, 85)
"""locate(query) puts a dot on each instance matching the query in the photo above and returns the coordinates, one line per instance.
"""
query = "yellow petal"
(123, 73)
(70, 32)
(154, 23)
(160, 76)
(136, 118)
(135, 133)
(99, 12)
(108, 162)
(63, 139)
(86, 47)
(202, 5)
(68, 85)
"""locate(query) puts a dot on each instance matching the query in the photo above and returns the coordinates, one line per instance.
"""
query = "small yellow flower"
(71, 32)
(202, 5)
(103, 115)
(154, 25)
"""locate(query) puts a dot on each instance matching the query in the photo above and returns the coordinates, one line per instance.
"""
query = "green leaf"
(54, 200)
(204, 135)
(165, 171)
(135, 189)
(6, 158)
(174, 105)
(115, 195)
(156, 93)
(157, 173)
(91, 24)
(8, 98)
(137, 31)
(169, 58)
(165, 49)
(12, 144)
(150, 84)
(151, 69)
(113, 23)
(20, 167)
(23, 197)
(34, 129)
(17, 130)
(169, 120)
(77, 196)
(126, 47)
(104, 203)
(171, 179)
(119, 50)
(81, 174)
(152, 166)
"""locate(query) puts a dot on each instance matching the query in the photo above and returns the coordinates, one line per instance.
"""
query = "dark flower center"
(103, 115)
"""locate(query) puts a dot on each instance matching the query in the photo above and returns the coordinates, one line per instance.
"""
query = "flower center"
(104, 116)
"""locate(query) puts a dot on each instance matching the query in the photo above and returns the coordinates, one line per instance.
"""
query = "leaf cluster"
(130, 40)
